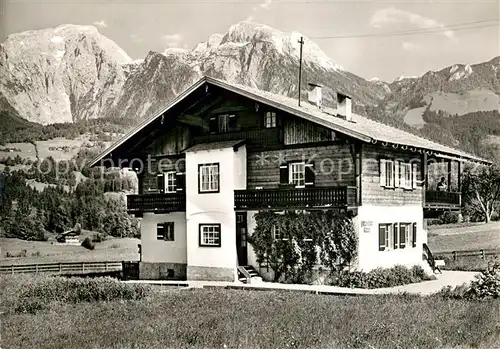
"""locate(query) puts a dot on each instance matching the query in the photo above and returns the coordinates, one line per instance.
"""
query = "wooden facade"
(338, 161)
(333, 165)
(373, 192)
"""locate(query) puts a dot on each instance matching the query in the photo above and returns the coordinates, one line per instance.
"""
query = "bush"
(88, 244)
(486, 286)
(448, 217)
(381, 277)
(40, 293)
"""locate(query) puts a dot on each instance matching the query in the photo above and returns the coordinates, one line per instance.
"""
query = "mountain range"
(73, 73)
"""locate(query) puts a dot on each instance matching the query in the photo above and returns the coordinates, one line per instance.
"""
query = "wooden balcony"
(157, 203)
(442, 199)
(307, 198)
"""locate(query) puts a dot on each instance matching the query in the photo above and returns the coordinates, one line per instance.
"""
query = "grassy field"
(456, 238)
(202, 318)
(113, 249)
(460, 237)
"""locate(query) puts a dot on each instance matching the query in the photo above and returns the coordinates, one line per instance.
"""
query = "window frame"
(168, 233)
(392, 236)
(405, 173)
(291, 166)
(166, 181)
(270, 119)
(388, 236)
(201, 241)
(408, 233)
(276, 231)
(223, 123)
(386, 166)
(200, 178)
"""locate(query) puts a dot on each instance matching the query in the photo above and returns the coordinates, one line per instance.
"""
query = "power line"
(454, 27)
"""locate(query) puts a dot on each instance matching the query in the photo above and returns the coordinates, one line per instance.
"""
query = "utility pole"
(301, 42)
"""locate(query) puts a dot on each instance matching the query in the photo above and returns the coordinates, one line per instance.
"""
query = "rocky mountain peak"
(61, 74)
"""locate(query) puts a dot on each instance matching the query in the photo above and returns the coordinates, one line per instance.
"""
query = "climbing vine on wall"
(305, 239)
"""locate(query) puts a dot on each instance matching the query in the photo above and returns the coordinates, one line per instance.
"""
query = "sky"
(141, 26)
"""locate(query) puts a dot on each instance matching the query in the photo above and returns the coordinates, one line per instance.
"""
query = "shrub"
(448, 217)
(40, 293)
(457, 292)
(114, 246)
(87, 243)
(381, 277)
(486, 286)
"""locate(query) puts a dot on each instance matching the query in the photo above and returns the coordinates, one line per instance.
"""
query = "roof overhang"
(279, 106)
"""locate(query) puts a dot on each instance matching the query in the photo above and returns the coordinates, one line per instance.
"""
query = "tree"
(481, 189)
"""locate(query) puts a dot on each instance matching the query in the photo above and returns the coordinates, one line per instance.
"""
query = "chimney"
(314, 94)
(344, 106)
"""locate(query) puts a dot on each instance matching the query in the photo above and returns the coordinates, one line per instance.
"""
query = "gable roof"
(360, 127)
(215, 145)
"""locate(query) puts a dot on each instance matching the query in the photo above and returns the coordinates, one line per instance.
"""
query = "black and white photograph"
(251, 174)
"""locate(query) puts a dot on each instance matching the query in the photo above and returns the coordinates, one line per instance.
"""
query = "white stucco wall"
(214, 207)
(159, 251)
(369, 256)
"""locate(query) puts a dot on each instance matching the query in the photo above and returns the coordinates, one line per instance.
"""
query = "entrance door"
(241, 237)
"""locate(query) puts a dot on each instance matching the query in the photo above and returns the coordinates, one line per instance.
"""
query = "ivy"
(309, 238)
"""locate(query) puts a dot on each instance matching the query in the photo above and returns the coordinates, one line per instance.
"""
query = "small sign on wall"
(367, 226)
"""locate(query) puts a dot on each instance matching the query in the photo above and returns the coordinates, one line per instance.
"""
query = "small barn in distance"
(70, 237)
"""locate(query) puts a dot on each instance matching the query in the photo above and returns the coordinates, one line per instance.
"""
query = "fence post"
(12, 269)
(60, 267)
(482, 254)
(454, 255)
(106, 266)
(36, 268)
(83, 267)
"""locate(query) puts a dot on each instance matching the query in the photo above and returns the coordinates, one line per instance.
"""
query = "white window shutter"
(397, 172)
(414, 176)
(382, 172)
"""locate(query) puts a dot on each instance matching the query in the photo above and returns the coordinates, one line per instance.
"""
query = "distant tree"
(481, 189)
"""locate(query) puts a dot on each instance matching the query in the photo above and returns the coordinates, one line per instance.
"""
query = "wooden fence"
(62, 268)
(481, 253)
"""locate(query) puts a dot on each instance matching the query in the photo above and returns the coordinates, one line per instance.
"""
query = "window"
(165, 231)
(270, 119)
(405, 175)
(397, 236)
(210, 235)
(208, 178)
(384, 236)
(277, 235)
(387, 173)
(170, 182)
(406, 235)
(297, 175)
(222, 123)
(397, 174)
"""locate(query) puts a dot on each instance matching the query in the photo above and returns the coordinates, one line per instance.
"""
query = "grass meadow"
(219, 318)
(113, 249)
(460, 237)
(465, 237)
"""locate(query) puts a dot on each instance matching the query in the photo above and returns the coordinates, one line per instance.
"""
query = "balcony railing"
(168, 202)
(442, 199)
(322, 197)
